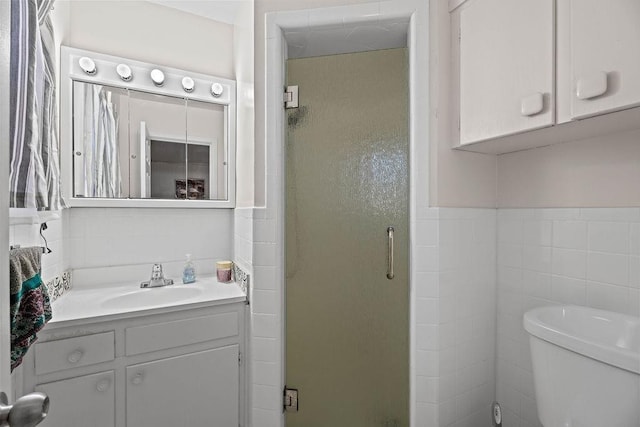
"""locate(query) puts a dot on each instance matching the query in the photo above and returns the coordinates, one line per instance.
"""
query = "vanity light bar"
(158, 78)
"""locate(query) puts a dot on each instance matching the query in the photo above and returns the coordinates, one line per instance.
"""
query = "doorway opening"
(347, 239)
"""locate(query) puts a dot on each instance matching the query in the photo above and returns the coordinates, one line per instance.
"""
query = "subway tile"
(634, 271)
(568, 262)
(634, 302)
(266, 418)
(426, 233)
(426, 285)
(537, 232)
(264, 254)
(266, 397)
(427, 363)
(265, 325)
(266, 302)
(265, 278)
(427, 389)
(427, 337)
(634, 238)
(426, 413)
(426, 258)
(427, 311)
(264, 349)
(563, 214)
(568, 290)
(608, 268)
(510, 255)
(536, 284)
(607, 297)
(610, 214)
(510, 231)
(265, 373)
(570, 234)
(264, 231)
(536, 258)
(609, 237)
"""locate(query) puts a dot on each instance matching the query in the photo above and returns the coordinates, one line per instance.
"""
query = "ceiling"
(347, 38)
(218, 10)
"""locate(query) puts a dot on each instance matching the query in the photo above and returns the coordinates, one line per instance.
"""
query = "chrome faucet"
(157, 278)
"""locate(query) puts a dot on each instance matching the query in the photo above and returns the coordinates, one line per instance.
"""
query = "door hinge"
(239, 359)
(291, 97)
(290, 399)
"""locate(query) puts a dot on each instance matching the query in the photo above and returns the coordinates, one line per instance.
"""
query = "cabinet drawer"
(70, 353)
(160, 336)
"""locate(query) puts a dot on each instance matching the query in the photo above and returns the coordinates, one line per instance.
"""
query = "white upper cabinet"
(532, 73)
(506, 68)
(605, 56)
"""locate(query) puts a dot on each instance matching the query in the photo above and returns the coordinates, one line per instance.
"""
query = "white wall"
(152, 33)
(121, 238)
(243, 48)
(595, 172)
(588, 257)
(457, 178)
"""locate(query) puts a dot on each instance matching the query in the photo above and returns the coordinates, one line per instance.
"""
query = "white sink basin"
(586, 366)
(152, 297)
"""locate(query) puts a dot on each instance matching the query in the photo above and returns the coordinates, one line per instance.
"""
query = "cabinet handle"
(103, 385)
(532, 104)
(137, 379)
(75, 356)
(592, 85)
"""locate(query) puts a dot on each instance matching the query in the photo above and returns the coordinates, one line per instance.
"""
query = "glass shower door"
(347, 323)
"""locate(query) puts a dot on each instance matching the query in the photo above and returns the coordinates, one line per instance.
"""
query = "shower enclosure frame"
(266, 395)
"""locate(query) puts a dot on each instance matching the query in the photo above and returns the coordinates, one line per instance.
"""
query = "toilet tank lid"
(609, 337)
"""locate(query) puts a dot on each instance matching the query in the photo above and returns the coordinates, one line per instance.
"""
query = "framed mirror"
(140, 135)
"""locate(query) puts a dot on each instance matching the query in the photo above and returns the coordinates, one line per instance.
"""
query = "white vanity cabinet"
(169, 368)
(531, 73)
(87, 400)
(506, 68)
(605, 55)
(197, 389)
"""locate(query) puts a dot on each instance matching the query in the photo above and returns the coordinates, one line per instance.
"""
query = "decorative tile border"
(59, 285)
(241, 277)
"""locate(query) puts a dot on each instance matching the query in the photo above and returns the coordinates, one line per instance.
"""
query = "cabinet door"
(195, 390)
(506, 68)
(605, 55)
(81, 402)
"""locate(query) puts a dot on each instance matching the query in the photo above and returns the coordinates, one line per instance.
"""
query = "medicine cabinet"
(142, 135)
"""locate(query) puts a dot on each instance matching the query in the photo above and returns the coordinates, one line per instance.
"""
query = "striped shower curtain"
(101, 167)
(34, 174)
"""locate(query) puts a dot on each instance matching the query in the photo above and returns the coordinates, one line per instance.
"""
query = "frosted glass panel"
(347, 181)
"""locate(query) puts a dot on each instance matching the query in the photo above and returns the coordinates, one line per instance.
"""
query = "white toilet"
(586, 366)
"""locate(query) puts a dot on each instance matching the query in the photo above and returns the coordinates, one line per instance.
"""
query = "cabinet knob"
(137, 379)
(75, 356)
(592, 85)
(532, 104)
(103, 385)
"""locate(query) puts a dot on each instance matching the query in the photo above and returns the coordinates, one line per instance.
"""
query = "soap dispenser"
(189, 272)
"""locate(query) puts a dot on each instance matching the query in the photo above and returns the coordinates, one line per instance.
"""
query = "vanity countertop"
(96, 304)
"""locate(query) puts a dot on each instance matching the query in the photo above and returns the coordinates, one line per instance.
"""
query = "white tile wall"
(466, 325)
(558, 256)
(56, 262)
(125, 241)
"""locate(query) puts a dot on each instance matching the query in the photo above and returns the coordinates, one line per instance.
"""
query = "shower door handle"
(390, 250)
